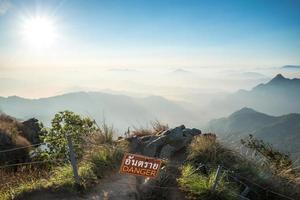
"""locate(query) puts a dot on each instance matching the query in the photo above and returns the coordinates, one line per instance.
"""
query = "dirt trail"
(114, 187)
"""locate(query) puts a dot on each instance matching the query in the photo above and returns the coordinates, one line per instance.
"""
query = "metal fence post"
(245, 193)
(217, 178)
(73, 160)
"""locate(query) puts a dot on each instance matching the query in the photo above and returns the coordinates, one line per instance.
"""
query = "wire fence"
(231, 173)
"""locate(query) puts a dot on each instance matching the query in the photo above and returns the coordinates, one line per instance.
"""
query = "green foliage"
(99, 161)
(67, 123)
(106, 158)
(200, 186)
(273, 158)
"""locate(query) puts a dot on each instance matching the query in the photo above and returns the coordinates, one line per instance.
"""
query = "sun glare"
(39, 31)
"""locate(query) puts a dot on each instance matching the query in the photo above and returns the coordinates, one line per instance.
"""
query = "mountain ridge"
(277, 130)
(121, 110)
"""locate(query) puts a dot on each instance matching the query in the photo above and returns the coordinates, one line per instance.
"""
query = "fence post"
(73, 160)
(217, 178)
(245, 193)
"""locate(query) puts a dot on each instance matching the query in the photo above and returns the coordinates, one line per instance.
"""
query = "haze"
(144, 47)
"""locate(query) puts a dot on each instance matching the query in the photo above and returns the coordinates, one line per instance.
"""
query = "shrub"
(67, 123)
(278, 161)
(104, 134)
(105, 158)
(206, 149)
(200, 186)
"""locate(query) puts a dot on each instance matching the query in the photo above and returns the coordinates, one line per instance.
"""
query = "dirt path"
(114, 187)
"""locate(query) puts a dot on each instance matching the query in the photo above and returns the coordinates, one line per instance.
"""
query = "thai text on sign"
(140, 165)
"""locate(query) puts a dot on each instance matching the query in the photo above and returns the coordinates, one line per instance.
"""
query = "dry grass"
(156, 128)
(10, 137)
(206, 149)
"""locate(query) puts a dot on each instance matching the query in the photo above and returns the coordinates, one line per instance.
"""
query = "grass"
(156, 128)
(199, 186)
(206, 149)
(91, 169)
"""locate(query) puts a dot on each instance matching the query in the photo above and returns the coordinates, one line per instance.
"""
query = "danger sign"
(140, 165)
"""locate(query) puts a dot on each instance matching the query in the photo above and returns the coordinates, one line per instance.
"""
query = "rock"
(192, 131)
(31, 130)
(167, 151)
(134, 143)
(166, 132)
(164, 144)
(152, 148)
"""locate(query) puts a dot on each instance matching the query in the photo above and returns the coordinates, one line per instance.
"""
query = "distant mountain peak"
(291, 67)
(244, 110)
(279, 77)
(180, 70)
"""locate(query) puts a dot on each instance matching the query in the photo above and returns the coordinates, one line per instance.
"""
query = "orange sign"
(140, 165)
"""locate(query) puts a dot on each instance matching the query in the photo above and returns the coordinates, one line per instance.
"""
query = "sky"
(61, 38)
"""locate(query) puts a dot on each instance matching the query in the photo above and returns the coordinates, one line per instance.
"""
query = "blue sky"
(145, 33)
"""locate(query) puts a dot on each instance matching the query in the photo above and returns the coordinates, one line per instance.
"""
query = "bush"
(206, 149)
(276, 160)
(65, 124)
(200, 186)
(104, 134)
(105, 158)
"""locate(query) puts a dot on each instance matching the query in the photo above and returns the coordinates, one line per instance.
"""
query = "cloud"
(4, 6)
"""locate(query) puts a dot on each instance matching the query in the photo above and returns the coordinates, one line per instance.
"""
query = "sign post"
(139, 165)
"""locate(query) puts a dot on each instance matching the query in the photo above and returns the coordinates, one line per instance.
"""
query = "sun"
(39, 31)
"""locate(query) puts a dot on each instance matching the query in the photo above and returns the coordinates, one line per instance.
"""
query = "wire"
(29, 163)
(264, 188)
(24, 147)
(32, 145)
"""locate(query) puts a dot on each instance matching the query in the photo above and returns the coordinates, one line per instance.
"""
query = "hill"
(121, 110)
(279, 96)
(291, 67)
(283, 132)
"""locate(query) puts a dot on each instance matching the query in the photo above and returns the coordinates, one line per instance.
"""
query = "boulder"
(152, 148)
(31, 130)
(165, 143)
(167, 151)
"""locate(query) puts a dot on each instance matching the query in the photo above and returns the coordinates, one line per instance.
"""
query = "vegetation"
(156, 128)
(11, 137)
(95, 149)
(238, 171)
(67, 124)
(278, 161)
(200, 186)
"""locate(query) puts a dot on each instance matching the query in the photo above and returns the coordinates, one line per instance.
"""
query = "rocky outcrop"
(164, 144)
(31, 129)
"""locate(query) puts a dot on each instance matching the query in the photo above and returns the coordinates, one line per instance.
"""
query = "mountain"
(291, 67)
(120, 110)
(277, 97)
(281, 131)
(180, 71)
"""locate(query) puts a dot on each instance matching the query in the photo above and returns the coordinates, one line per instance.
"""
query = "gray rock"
(151, 149)
(166, 143)
(192, 132)
(167, 151)
(166, 132)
